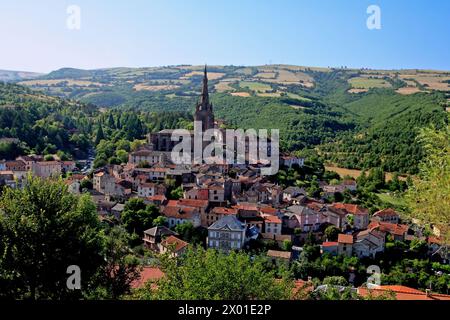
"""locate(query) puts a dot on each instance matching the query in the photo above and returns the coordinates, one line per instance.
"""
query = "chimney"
(428, 292)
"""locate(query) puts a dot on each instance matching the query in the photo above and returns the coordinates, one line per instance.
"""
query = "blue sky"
(138, 33)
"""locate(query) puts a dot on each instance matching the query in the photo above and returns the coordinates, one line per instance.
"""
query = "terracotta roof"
(330, 244)
(147, 185)
(351, 208)
(385, 213)
(224, 211)
(77, 177)
(246, 207)
(279, 254)
(193, 203)
(268, 210)
(272, 219)
(178, 212)
(174, 243)
(392, 228)
(147, 274)
(158, 197)
(345, 238)
(402, 293)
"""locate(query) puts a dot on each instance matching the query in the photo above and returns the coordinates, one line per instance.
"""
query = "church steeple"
(205, 94)
(204, 109)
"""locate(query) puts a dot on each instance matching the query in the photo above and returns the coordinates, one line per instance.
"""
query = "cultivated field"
(367, 83)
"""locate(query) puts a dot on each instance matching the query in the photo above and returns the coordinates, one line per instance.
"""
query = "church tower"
(204, 109)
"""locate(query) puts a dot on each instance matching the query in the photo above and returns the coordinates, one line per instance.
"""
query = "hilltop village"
(228, 206)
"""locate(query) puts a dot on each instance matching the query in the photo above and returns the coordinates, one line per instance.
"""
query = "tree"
(137, 216)
(331, 232)
(210, 274)
(44, 230)
(185, 230)
(429, 196)
(160, 221)
(121, 267)
(100, 135)
(176, 193)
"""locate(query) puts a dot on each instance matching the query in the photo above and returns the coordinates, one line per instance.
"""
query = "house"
(279, 256)
(145, 156)
(289, 161)
(304, 218)
(330, 247)
(218, 213)
(157, 173)
(47, 169)
(345, 244)
(174, 246)
(368, 243)
(272, 224)
(397, 231)
(177, 215)
(146, 190)
(226, 234)
(196, 194)
(386, 215)
(360, 215)
(73, 186)
(15, 165)
(158, 200)
(154, 236)
(68, 166)
(117, 210)
(202, 207)
(291, 193)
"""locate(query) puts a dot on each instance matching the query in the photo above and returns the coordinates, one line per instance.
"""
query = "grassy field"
(255, 86)
(223, 86)
(140, 87)
(367, 83)
(392, 200)
(355, 173)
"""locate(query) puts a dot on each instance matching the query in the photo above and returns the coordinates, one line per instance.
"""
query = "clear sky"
(137, 33)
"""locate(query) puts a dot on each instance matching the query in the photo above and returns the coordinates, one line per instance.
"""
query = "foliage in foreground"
(212, 275)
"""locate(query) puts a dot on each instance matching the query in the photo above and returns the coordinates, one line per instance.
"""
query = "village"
(229, 206)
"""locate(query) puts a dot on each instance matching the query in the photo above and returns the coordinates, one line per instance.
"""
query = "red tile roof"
(392, 228)
(147, 274)
(271, 219)
(224, 211)
(385, 213)
(351, 208)
(174, 243)
(330, 244)
(345, 238)
(402, 293)
(193, 203)
(178, 212)
(158, 197)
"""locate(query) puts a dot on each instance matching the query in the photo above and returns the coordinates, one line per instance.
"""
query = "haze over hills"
(7, 75)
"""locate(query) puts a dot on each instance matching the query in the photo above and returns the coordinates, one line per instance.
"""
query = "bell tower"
(204, 109)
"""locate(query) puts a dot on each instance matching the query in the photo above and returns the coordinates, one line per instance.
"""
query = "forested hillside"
(357, 118)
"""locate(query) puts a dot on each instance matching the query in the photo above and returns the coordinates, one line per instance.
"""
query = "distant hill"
(357, 117)
(7, 76)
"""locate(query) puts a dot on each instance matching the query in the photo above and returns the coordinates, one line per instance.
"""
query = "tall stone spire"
(204, 109)
(205, 95)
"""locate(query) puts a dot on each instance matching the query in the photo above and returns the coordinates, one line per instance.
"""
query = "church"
(161, 141)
